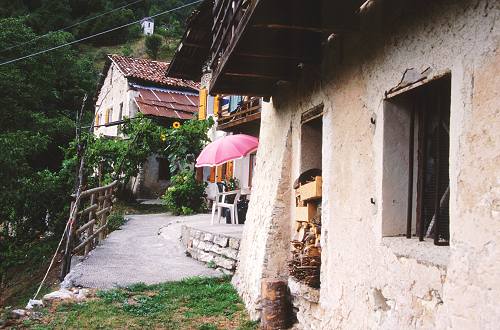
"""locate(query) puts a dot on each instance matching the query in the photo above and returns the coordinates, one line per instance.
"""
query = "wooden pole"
(411, 148)
(422, 168)
(277, 309)
(90, 229)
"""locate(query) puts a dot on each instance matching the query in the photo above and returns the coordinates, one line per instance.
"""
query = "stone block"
(208, 237)
(205, 246)
(196, 243)
(224, 262)
(234, 243)
(206, 256)
(217, 249)
(221, 240)
(196, 234)
(60, 295)
(18, 313)
(230, 253)
(193, 253)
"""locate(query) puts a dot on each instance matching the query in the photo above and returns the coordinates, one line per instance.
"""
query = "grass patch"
(195, 303)
(122, 207)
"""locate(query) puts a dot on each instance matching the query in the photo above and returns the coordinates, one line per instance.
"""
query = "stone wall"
(368, 280)
(218, 249)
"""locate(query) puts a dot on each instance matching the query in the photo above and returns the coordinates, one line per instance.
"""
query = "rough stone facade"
(369, 280)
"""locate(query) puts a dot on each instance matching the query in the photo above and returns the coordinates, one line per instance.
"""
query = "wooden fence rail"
(88, 222)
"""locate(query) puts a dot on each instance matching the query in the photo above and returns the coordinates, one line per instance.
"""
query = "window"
(120, 118)
(202, 114)
(163, 169)
(416, 183)
(109, 116)
(96, 120)
(311, 139)
(120, 113)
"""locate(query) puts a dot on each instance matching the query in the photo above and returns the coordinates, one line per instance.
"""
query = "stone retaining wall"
(219, 249)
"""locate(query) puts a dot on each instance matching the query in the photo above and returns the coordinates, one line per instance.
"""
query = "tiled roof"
(150, 71)
(165, 103)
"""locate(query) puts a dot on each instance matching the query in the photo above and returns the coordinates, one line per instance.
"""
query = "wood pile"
(306, 246)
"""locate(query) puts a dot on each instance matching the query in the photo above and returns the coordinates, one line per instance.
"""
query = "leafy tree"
(185, 143)
(39, 98)
(153, 44)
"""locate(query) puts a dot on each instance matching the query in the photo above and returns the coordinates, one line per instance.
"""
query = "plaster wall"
(115, 92)
(241, 171)
(368, 280)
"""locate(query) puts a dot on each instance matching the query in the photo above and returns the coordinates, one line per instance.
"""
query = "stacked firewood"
(305, 264)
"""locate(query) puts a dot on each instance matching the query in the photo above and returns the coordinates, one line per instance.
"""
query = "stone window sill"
(300, 290)
(423, 252)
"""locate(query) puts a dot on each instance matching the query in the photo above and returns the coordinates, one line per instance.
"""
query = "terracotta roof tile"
(150, 71)
(170, 104)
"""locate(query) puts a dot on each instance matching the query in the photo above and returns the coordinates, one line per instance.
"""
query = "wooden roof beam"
(255, 76)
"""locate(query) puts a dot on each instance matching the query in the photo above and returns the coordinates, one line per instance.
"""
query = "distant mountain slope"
(43, 16)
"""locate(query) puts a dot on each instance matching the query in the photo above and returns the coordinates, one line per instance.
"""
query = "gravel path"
(138, 253)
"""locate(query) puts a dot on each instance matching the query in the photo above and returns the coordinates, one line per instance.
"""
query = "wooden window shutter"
(96, 120)
(106, 117)
(202, 115)
(212, 174)
(219, 173)
(229, 170)
(216, 105)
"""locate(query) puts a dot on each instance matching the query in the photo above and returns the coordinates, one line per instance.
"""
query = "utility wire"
(68, 27)
(97, 34)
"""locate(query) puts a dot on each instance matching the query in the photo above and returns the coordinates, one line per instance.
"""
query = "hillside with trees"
(40, 97)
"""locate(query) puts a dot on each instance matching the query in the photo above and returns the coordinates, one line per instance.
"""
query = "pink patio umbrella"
(228, 148)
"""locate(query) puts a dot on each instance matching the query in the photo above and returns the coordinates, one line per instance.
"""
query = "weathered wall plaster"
(115, 92)
(369, 281)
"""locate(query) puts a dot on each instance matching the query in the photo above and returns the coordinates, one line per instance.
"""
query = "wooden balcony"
(247, 112)
(258, 44)
(252, 46)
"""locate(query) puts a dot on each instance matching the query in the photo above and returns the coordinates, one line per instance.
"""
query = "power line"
(97, 34)
(69, 27)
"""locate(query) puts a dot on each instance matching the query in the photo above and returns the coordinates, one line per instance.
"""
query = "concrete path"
(138, 253)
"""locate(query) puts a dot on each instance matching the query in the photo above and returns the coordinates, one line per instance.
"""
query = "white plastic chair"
(220, 203)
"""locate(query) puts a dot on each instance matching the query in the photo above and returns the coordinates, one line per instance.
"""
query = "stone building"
(397, 102)
(148, 26)
(129, 86)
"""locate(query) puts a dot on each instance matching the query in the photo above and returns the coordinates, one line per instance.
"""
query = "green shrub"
(153, 44)
(115, 221)
(185, 195)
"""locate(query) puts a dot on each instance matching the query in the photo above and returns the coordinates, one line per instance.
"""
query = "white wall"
(114, 91)
(368, 281)
(148, 27)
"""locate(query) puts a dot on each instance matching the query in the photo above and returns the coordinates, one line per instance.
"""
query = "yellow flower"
(163, 137)
(176, 124)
